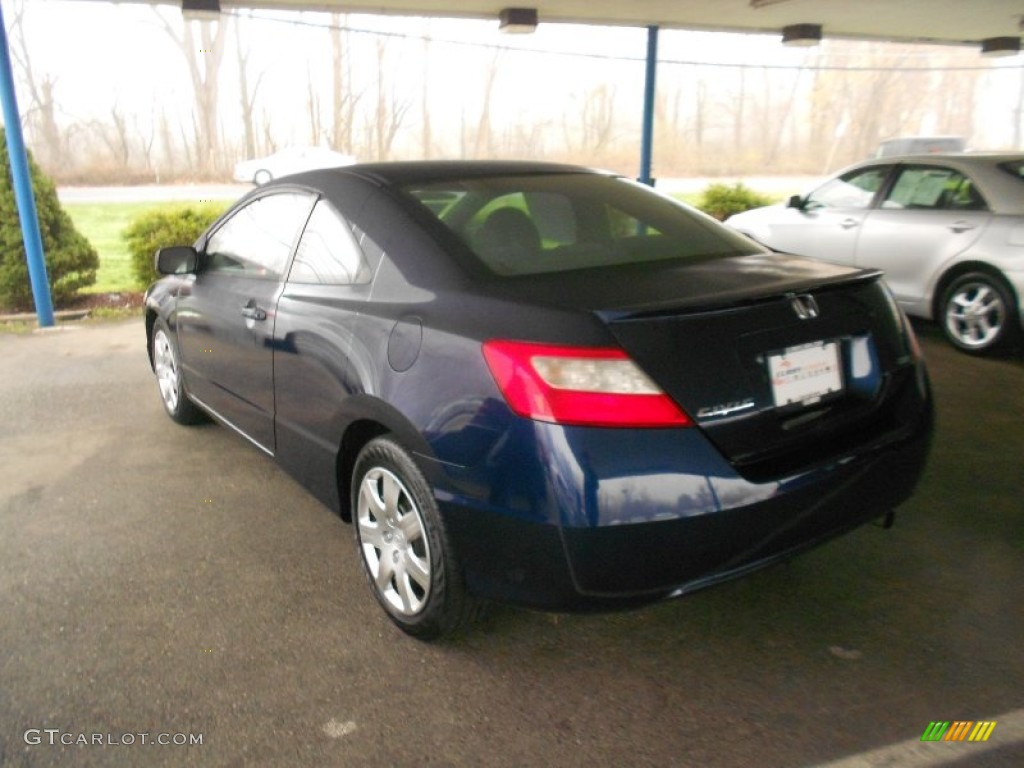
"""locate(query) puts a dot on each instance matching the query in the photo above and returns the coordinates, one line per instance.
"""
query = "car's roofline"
(401, 173)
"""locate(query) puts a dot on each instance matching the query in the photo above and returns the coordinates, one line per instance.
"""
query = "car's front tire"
(978, 313)
(167, 367)
(405, 551)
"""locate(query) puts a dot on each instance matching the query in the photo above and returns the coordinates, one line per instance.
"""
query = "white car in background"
(287, 161)
(921, 145)
(947, 230)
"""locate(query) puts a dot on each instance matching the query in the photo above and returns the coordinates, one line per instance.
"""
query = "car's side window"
(258, 238)
(852, 190)
(329, 252)
(933, 188)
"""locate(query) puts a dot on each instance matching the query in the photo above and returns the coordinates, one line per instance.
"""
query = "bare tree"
(954, 96)
(114, 136)
(167, 139)
(525, 140)
(313, 105)
(247, 93)
(391, 108)
(598, 118)
(344, 97)
(146, 140)
(269, 142)
(41, 111)
(425, 133)
(483, 140)
(203, 53)
(782, 118)
(739, 118)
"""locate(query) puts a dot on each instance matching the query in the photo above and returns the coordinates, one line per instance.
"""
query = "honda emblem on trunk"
(805, 306)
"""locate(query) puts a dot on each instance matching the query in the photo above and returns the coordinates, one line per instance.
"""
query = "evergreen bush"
(180, 225)
(723, 200)
(71, 261)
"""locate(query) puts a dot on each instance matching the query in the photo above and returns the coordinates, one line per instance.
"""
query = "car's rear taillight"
(592, 386)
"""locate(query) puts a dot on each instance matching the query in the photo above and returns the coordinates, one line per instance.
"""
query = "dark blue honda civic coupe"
(538, 383)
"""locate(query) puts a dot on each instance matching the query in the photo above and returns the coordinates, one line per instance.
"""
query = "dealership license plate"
(804, 375)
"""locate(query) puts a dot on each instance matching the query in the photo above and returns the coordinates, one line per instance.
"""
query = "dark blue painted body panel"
(640, 514)
(578, 517)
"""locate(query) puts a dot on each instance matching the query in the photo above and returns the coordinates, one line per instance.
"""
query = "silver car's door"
(827, 226)
(928, 216)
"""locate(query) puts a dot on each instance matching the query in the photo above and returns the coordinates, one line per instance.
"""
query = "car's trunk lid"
(782, 362)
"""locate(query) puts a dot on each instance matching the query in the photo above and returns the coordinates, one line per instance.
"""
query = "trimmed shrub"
(71, 261)
(723, 200)
(180, 225)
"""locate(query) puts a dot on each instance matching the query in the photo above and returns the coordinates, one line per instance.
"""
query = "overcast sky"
(102, 53)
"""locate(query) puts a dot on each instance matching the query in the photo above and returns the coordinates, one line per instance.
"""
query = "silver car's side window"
(852, 190)
(258, 238)
(329, 252)
(933, 188)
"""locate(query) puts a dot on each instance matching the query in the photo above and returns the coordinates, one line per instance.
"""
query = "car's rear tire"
(262, 177)
(405, 552)
(167, 367)
(978, 314)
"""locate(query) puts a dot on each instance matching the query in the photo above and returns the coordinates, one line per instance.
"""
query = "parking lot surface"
(168, 584)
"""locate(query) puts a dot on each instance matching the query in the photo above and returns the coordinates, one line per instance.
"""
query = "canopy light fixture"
(518, 20)
(801, 35)
(1000, 46)
(200, 10)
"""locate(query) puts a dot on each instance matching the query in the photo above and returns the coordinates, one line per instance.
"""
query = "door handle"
(961, 226)
(848, 223)
(252, 312)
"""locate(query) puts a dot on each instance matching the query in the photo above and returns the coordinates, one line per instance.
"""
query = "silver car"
(947, 230)
(287, 161)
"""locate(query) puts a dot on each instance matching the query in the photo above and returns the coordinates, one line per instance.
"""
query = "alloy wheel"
(166, 366)
(975, 314)
(393, 541)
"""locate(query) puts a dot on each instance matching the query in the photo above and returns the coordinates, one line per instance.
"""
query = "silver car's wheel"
(394, 542)
(168, 377)
(262, 177)
(405, 551)
(979, 314)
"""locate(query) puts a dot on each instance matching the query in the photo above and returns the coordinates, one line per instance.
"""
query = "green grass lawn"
(102, 224)
(690, 198)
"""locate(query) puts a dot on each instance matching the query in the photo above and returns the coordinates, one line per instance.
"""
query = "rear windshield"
(533, 224)
(1015, 168)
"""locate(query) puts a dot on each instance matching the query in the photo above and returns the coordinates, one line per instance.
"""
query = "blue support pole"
(22, 181)
(647, 138)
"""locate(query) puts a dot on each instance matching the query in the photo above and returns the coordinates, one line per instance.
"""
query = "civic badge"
(805, 306)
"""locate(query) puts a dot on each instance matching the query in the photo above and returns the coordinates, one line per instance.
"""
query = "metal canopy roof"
(934, 21)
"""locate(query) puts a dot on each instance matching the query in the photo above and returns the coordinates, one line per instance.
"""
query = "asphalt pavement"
(168, 584)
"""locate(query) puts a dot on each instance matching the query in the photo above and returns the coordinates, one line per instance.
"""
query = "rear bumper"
(620, 541)
(674, 557)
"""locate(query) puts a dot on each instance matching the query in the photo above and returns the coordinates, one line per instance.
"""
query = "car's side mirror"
(796, 202)
(176, 260)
